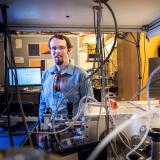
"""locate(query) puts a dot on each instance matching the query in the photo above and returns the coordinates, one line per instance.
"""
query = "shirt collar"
(68, 70)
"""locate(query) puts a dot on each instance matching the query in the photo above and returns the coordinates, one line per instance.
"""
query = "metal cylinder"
(154, 133)
(155, 150)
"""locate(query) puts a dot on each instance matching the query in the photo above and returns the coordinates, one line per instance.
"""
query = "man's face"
(59, 51)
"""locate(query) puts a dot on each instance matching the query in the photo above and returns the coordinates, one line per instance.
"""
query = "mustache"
(58, 56)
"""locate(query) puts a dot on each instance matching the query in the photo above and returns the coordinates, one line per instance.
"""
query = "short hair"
(62, 37)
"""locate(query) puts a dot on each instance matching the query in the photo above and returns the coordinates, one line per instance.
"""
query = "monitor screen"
(27, 76)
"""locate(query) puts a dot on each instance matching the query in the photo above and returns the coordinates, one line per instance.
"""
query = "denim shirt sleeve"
(86, 87)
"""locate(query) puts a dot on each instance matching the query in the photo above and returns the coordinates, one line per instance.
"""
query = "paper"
(18, 43)
(33, 49)
(19, 59)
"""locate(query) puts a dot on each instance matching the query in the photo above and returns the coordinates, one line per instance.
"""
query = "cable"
(133, 37)
(99, 67)
(112, 134)
(149, 117)
(115, 132)
(144, 69)
(114, 152)
(98, 122)
(101, 53)
(4, 17)
(158, 79)
(137, 43)
(12, 65)
(108, 138)
(139, 63)
(18, 92)
(76, 86)
(129, 41)
(105, 60)
(128, 146)
(77, 115)
(75, 118)
(82, 105)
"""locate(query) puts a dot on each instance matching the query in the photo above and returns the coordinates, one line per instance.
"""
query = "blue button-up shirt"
(70, 77)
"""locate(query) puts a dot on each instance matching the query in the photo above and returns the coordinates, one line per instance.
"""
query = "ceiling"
(77, 15)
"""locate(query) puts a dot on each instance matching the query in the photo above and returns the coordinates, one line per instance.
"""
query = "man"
(60, 78)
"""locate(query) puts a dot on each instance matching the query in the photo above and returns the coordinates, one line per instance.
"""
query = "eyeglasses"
(56, 83)
(54, 48)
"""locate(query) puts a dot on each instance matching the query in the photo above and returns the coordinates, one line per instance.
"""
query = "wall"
(127, 65)
(23, 51)
(127, 68)
(150, 49)
(37, 39)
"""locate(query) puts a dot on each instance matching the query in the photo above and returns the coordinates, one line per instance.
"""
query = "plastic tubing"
(114, 122)
(149, 116)
(117, 130)
(86, 98)
(82, 105)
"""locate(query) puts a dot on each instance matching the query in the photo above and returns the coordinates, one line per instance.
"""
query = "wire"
(137, 43)
(133, 37)
(128, 146)
(114, 152)
(139, 63)
(145, 87)
(101, 53)
(95, 71)
(105, 60)
(125, 38)
(75, 118)
(18, 92)
(80, 111)
(4, 17)
(11, 64)
(145, 60)
(149, 116)
(116, 131)
(82, 105)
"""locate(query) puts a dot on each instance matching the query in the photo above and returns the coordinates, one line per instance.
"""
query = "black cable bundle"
(11, 63)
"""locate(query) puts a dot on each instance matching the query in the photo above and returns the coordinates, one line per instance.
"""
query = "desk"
(30, 102)
(26, 95)
(32, 96)
(18, 138)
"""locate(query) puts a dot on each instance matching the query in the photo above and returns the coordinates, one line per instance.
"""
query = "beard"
(59, 61)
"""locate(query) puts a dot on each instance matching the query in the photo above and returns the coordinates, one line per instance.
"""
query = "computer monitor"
(27, 76)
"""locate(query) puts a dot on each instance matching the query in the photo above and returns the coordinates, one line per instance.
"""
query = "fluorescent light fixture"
(153, 28)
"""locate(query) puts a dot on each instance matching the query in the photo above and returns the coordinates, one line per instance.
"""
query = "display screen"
(27, 76)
